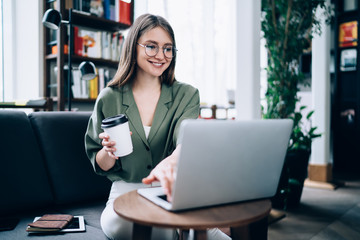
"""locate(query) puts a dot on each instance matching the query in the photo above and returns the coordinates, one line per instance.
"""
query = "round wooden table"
(145, 214)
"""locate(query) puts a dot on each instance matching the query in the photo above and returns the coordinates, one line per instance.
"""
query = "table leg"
(141, 232)
(200, 234)
(183, 234)
(255, 231)
(241, 232)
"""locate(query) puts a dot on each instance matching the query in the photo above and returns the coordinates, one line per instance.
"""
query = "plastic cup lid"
(113, 121)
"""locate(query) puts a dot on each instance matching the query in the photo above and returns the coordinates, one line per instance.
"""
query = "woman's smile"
(156, 64)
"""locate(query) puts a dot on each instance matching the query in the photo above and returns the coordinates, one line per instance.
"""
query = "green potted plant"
(288, 27)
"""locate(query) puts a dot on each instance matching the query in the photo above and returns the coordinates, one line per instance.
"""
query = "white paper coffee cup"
(117, 127)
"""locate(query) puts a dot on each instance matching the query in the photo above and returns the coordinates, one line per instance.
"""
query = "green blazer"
(177, 102)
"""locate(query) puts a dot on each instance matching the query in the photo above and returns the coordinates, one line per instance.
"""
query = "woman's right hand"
(108, 146)
(106, 158)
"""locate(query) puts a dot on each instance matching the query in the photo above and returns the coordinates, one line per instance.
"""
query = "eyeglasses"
(152, 49)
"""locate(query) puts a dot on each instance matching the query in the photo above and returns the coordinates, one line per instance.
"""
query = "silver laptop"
(224, 162)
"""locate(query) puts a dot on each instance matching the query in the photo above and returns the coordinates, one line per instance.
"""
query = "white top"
(147, 131)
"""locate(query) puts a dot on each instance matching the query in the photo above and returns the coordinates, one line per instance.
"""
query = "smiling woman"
(146, 91)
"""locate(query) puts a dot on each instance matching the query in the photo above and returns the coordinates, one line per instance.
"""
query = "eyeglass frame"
(174, 50)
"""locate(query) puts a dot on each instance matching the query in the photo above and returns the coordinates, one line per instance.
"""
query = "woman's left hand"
(165, 173)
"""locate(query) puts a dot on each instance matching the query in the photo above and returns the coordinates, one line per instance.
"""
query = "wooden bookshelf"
(80, 19)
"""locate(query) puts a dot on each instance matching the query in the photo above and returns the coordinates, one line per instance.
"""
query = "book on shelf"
(121, 44)
(109, 9)
(114, 10)
(121, 11)
(101, 77)
(97, 8)
(118, 10)
(106, 45)
(125, 11)
(114, 47)
(94, 87)
(78, 42)
(117, 42)
(97, 44)
(85, 5)
(77, 4)
(77, 88)
(69, 4)
(91, 7)
(91, 43)
(83, 89)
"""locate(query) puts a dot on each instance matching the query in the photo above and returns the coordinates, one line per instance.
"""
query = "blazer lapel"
(133, 114)
(161, 110)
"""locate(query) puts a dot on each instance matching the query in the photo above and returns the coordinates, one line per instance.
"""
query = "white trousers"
(117, 228)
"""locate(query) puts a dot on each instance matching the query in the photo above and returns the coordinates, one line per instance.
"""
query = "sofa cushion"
(61, 137)
(24, 182)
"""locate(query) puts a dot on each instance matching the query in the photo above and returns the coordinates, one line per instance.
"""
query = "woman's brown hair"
(127, 64)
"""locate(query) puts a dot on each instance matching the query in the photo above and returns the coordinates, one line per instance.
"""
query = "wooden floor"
(323, 214)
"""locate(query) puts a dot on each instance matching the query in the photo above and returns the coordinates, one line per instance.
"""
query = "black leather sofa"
(44, 169)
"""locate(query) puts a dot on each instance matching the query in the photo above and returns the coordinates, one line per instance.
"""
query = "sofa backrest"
(61, 139)
(24, 182)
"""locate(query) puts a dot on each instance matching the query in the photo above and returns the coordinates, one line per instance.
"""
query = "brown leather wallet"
(50, 222)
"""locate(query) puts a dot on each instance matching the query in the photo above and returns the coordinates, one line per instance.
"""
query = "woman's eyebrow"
(151, 41)
(155, 42)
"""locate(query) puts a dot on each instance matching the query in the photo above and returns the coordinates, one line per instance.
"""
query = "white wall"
(248, 29)
(321, 93)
